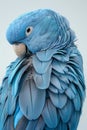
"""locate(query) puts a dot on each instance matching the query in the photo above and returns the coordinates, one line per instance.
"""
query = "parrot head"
(39, 30)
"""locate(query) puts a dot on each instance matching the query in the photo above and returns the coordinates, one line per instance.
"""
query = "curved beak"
(19, 49)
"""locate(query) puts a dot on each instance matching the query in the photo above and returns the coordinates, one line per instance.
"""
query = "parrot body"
(44, 88)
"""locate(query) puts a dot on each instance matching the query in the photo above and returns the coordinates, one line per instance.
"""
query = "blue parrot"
(44, 88)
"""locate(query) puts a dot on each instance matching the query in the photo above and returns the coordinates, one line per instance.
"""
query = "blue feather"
(36, 124)
(76, 57)
(62, 126)
(77, 102)
(15, 69)
(53, 89)
(18, 115)
(55, 82)
(4, 91)
(3, 115)
(59, 100)
(58, 66)
(71, 92)
(73, 123)
(63, 79)
(11, 67)
(49, 114)
(17, 79)
(62, 58)
(46, 55)
(42, 81)
(31, 100)
(63, 85)
(9, 124)
(66, 111)
(40, 67)
(22, 124)
(41, 124)
(11, 104)
(32, 125)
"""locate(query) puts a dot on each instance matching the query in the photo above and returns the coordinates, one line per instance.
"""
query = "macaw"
(44, 88)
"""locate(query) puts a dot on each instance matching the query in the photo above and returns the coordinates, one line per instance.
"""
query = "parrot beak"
(19, 49)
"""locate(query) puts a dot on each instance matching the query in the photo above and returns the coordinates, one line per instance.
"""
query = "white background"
(74, 10)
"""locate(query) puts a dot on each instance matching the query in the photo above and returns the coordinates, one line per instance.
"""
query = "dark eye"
(29, 30)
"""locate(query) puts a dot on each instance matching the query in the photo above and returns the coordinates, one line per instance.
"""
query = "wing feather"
(9, 124)
(31, 100)
(59, 100)
(15, 68)
(17, 79)
(36, 124)
(77, 102)
(71, 92)
(73, 123)
(66, 111)
(49, 114)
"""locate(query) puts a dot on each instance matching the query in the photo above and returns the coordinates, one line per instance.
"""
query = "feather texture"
(42, 81)
(59, 100)
(9, 124)
(32, 104)
(36, 124)
(40, 67)
(49, 114)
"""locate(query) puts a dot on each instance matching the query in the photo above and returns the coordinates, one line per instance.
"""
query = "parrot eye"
(28, 30)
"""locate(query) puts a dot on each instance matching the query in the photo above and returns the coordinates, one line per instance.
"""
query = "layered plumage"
(44, 88)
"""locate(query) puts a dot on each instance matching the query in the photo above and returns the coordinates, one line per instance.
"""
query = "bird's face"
(35, 30)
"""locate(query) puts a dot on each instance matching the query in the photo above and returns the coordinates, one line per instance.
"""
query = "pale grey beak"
(20, 49)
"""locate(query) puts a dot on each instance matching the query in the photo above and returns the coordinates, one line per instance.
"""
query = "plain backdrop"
(74, 10)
